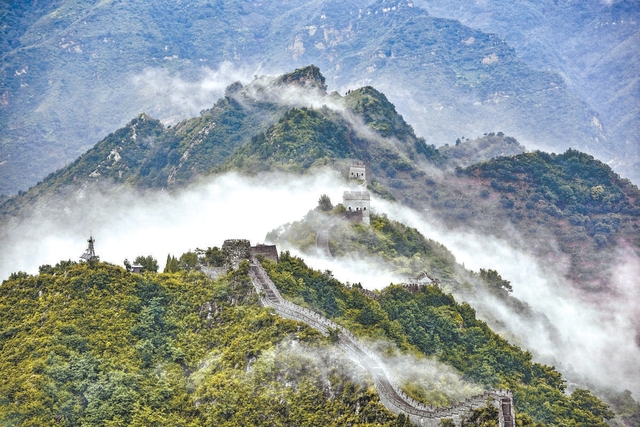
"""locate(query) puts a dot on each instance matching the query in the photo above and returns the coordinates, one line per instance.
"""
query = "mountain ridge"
(43, 103)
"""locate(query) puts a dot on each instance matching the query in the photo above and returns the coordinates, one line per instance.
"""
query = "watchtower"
(90, 253)
(354, 201)
(358, 170)
(236, 250)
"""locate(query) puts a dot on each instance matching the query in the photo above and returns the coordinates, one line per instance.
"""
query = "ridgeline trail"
(390, 393)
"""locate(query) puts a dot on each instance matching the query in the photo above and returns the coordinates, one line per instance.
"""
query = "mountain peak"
(309, 76)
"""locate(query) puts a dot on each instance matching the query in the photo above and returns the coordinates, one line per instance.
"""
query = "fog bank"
(596, 334)
(126, 224)
(597, 339)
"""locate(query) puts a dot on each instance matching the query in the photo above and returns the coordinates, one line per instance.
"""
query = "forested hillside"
(73, 71)
(265, 125)
(93, 345)
(570, 201)
(90, 344)
(435, 324)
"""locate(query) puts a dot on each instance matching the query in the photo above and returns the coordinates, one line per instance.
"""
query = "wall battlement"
(266, 251)
(390, 393)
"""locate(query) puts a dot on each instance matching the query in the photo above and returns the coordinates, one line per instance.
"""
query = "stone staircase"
(390, 393)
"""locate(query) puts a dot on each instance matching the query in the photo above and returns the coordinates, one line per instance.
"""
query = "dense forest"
(434, 324)
(93, 344)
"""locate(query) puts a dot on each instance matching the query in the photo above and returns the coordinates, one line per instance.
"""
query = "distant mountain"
(72, 72)
(593, 44)
(573, 198)
(251, 129)
(448, 79)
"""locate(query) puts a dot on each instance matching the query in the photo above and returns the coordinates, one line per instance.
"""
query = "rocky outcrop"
(309, 76)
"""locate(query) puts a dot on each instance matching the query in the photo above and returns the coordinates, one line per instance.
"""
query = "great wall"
(357, 208)
(390, 393)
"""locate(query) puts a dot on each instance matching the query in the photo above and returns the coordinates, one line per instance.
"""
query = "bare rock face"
(308, 77)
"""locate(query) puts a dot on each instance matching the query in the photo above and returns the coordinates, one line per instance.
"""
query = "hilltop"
(181, 348)
(269, 118)
(61, 92)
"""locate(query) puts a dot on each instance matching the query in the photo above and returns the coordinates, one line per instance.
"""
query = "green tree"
(214, 257)
(486, 416)
(494, 281)
(324, 203)
(189, 261)
(171, 265)
(148, 263)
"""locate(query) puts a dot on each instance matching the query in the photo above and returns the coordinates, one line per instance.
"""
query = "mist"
(597, 341)
(127, 223)
(440, 384)
(171, 98)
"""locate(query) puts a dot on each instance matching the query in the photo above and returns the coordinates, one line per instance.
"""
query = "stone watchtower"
(358, 170)
(354, 201)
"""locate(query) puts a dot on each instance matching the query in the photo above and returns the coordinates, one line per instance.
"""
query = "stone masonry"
(390, 393)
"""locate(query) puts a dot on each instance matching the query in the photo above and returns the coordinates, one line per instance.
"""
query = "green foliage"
(432, 322)
(490, 146)
(214, 257)
(148, 263)
(171, 265)
(309, 76)
(96, 345)
(624, 405)
(573, 182)
(378, 112)
(494, 281)
(487, 416)
(324, 203)
(189, 261)
(403, 248)
(299, 139)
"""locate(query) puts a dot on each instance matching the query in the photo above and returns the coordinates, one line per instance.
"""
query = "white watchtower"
(358, 170)
(354, 201)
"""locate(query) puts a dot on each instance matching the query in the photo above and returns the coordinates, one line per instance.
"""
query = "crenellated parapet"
(391, 395)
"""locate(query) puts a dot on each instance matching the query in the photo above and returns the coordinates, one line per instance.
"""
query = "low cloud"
(595, 337)
(596, 334)
(126, 223)
(171, 98)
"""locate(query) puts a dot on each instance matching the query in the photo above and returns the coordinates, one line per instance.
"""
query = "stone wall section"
(324, 234)
(390, 393)
(267, 251)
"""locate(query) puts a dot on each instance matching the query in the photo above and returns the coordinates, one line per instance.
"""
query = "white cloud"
(597, 332)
